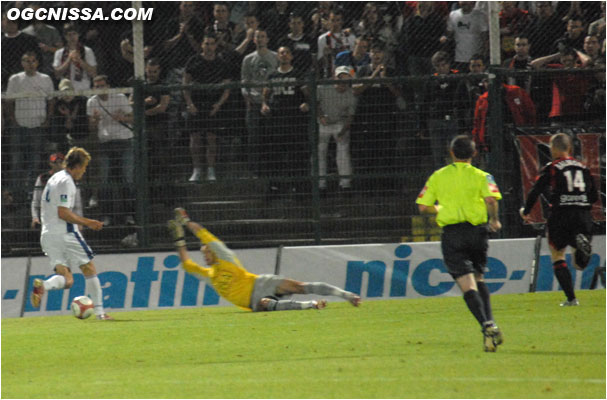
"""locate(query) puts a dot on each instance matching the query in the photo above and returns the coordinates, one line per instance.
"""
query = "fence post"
(141, 161)
(495, 127)
(313, 101)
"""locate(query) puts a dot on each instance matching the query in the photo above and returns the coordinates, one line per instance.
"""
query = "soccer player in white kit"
(60, 238)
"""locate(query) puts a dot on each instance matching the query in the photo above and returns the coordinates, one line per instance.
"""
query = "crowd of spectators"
(204, 42)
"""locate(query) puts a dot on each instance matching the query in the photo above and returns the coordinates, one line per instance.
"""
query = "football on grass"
(82, 307)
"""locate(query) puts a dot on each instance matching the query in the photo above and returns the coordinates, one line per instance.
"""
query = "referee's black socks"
(561, 271)
(483, 290)
(475, 304)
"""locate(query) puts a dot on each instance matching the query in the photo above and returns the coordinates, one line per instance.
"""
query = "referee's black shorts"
(565, 224)
(464, 248)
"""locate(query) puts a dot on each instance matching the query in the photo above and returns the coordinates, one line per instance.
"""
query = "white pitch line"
(402, 379)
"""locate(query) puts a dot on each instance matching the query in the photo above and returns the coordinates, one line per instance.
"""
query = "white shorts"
(265, 286)
(67, 249)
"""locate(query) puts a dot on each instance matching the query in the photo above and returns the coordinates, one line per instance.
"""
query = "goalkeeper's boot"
(570, 303)
(583, 251)
(320, 304)
(353, 298)
(492, 337)
(37, 292)
(181, 216)
(104, 317)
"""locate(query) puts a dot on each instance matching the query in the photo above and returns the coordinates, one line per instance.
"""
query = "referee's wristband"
(180, 242)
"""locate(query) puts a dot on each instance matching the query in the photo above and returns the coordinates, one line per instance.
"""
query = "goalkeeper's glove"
(181, 216)
(177, 233)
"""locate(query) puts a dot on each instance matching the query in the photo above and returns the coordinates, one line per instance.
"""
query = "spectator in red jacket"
(520, 110)
(568, 88)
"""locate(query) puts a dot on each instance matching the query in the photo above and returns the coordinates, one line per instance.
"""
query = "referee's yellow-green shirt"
(460, 190)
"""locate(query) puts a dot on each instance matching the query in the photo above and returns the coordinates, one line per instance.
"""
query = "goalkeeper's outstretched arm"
(182, 217)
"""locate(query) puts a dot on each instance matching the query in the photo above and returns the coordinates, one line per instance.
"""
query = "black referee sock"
(475, 304)
(564, 277)
(483, 290)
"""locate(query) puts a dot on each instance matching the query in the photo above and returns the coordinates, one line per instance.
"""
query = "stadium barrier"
(146, 281)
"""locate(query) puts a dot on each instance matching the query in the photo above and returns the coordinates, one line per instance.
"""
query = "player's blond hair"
(561, 142)
(77, 156)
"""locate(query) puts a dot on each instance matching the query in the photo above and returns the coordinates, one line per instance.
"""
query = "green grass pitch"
(416, 348)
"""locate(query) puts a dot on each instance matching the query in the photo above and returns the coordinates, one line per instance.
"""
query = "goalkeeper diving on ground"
(225, 273)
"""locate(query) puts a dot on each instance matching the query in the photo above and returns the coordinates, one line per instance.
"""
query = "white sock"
(93, 288)
(55, 282)
(307, 304)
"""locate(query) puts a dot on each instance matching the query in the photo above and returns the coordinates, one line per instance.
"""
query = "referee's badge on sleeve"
(421, 194)
(63, 198)
(492, 185)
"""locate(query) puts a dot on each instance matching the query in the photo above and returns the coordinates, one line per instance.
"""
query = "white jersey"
(60, 191)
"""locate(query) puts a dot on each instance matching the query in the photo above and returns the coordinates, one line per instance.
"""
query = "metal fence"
(254, 176)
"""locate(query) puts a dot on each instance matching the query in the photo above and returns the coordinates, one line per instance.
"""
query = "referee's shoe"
(492, 337)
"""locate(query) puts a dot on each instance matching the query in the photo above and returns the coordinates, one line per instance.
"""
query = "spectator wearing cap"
(70, 121)
(29, 116)
(56, 164)
(336, 108)
(75, 61)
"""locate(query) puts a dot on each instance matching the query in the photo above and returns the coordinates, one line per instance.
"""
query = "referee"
(465, 196)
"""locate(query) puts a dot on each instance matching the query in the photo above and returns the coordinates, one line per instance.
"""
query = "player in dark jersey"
(569, 188)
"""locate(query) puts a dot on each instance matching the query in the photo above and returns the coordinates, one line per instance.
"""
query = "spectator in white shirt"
(30, 116)
(333, 42)
(110, 116)
(470, 29)
(75, 61)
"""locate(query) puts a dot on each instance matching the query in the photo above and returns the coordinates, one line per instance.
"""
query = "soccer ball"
(82, 307)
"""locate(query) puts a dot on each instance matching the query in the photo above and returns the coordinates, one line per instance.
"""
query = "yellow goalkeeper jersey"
(227, 275)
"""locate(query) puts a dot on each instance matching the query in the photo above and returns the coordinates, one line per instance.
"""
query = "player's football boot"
(104, 317)
(320, 304)
(37, 292)
(353, 298)
(570, 303)
(492, 337)
(583, 250)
